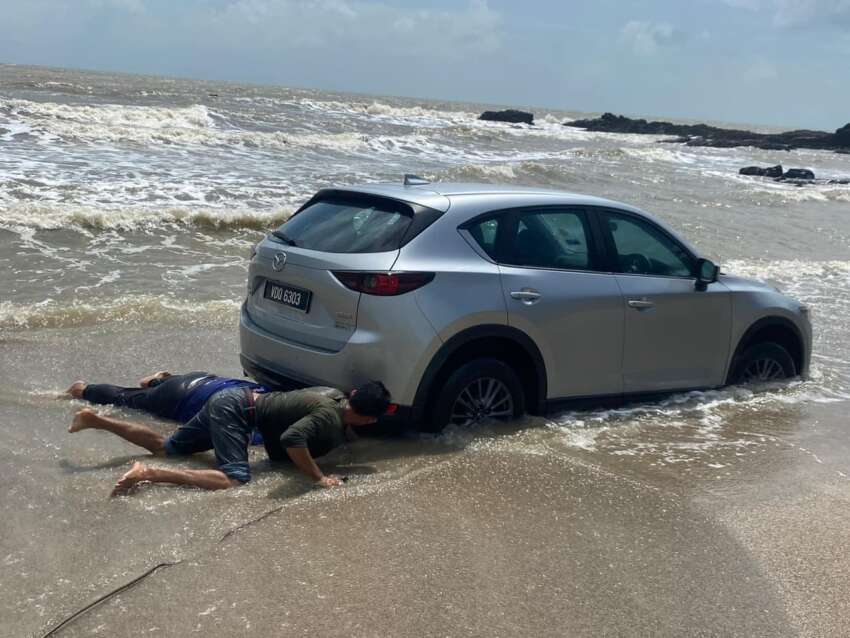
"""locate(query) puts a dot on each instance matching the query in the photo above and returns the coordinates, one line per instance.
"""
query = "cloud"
(131, 6)
(647, 38)
(259, 28)
(799, 14)
(750, 5)
(290, 24)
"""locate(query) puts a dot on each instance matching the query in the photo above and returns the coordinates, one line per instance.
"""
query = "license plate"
(291, 296)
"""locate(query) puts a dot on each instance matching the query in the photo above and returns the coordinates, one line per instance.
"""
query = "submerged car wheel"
(762, 363)
(479, 390)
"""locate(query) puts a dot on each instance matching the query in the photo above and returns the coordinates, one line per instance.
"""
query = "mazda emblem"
(279, 261)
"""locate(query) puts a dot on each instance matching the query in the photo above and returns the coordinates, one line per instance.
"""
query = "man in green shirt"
(300, 425)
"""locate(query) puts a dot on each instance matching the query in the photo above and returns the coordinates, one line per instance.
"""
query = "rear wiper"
(282, 237)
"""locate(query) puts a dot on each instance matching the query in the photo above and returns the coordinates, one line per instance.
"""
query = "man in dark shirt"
(300, 425)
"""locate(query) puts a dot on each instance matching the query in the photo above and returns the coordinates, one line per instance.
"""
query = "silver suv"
(474, 301)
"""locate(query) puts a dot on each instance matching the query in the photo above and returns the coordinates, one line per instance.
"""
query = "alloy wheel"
(483, 398)
(763, 370)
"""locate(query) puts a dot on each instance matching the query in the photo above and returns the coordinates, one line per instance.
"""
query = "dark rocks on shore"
(509, 115)
(705, 135)
(770, 171)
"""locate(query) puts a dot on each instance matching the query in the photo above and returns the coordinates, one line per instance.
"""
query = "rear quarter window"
(485, 233)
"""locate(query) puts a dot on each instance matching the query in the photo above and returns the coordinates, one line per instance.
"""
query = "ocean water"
(128, 199)
(128, 208)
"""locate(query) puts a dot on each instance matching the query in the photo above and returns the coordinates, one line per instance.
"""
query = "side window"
(485, 233)
(549, 239)
(644, 249)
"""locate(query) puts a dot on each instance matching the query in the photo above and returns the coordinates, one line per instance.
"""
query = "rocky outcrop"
(769, 171)
(843, 136)
(704, 135)
(510, 115)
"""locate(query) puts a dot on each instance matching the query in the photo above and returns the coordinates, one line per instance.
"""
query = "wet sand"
(501, 532)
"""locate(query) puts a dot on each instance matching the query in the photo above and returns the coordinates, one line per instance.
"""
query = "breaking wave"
(127, 310)
(56, 117)
(26, 215)
(114, 123)
(824, 282)
(548, 174)
(377, 111)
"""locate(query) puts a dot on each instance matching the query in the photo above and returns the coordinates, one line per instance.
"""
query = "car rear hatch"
(292, 290)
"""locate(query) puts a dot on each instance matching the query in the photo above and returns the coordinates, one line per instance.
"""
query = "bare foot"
(137, 474)
(146, 381)
(83, 420)
(76, 389)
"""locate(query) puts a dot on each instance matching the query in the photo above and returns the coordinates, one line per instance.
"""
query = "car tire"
(763, 363)
(481, 389)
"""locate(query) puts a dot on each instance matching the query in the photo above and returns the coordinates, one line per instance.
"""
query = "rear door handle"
(526, 295)
(641, 304)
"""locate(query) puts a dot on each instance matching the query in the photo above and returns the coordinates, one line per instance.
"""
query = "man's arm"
(304, 461)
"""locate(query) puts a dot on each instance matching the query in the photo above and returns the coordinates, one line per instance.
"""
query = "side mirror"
(706, 273)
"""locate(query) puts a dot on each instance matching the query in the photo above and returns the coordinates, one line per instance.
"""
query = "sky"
(780, 62)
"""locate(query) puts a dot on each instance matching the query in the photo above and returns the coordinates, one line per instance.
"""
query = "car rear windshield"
(348, 225)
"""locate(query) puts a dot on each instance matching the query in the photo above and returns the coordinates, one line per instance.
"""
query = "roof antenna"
(414, 180)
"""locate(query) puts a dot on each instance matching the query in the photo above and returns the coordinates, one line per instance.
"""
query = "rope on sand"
(150, 572)
(107, 596)
(251, 522)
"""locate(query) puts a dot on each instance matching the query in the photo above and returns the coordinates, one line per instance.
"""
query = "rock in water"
(509, 115)
(770, 171)
(798, 173)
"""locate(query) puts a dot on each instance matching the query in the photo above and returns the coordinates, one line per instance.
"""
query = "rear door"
(292, 290)
(676, 336)
(556, 295)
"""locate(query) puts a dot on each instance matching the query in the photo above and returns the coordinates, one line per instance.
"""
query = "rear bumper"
(388, 424)
(286, 363)
(269, 378)
(370, 354)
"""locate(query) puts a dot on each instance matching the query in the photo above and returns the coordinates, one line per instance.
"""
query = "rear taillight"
(383, 284)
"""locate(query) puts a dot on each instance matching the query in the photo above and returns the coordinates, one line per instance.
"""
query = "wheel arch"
(772, 329)
(495, 341)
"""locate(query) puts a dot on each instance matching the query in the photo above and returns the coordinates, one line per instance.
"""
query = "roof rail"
(414, 180)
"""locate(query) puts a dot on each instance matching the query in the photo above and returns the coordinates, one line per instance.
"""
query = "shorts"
(224, 425)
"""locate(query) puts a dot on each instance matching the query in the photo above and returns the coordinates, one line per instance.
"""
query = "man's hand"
(304, 462)
(329, 481)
